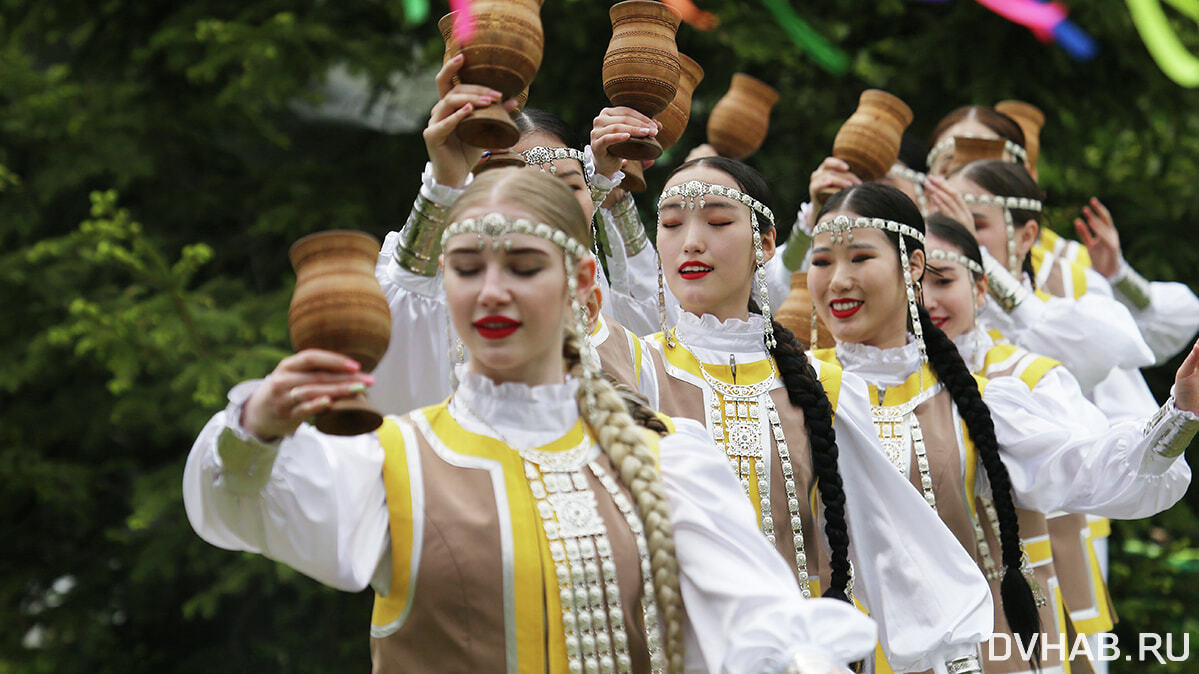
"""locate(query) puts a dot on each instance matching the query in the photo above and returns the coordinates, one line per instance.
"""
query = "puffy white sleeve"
(633, 280)
(930, 599)
(312, 501)
(1090, 335)
(1062, 454)
(415, 371)
(1166, 313)
(744, 608)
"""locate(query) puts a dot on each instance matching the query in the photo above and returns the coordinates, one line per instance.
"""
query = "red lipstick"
(694, 269)
(844, 307)
(496, 327)
(939, 321)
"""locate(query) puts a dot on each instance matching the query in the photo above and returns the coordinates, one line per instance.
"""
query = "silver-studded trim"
(903, 427)
(1170, 432)
(649, 602)
(954, 256)
(1003, 285)
(842, 226)
(1132, 288)
(544, 157)
(420, 243)
(694, 191)
(628, 222)
(496, 225)
(967, 664)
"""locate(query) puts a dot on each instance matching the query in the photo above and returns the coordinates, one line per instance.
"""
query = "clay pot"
(641, 67)
(504, 54)
(676, 115)
(446, 26)
(967, 149)
(796, 315)
(869, 140)
(1031, 119)
(338, 306)
(674, 121)
(739, 121)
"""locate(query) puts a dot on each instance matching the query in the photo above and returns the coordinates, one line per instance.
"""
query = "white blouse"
(317, 503)
(1090, 335)
(1170, 321)
(928, 596)
(1059, 456)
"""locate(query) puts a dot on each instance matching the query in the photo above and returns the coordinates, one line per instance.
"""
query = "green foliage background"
(154, 167)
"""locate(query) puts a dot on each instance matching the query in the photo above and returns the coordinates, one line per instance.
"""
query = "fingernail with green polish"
(357, 387)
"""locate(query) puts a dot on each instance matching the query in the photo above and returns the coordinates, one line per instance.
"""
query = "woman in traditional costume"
(527, 524)
(929, 409)
(797, 432)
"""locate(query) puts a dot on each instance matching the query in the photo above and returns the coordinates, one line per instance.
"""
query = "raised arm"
(258, 480)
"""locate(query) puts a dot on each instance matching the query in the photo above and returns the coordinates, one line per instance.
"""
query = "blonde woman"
(527, 523)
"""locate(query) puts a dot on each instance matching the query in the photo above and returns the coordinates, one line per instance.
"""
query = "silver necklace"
(592, 617)
(735, 411)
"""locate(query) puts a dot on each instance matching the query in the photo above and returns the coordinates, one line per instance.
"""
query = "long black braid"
(805, 392)
(1019, 605)
(877, 200)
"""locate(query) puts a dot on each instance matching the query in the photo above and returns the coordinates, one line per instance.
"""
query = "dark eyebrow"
(708, 206)
(570, 174)
(526, 251)
(852, 246)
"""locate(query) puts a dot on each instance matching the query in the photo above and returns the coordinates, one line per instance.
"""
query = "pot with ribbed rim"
(339, 306)
(504, 54)
(673, 119)
(869, 140)
(740, 119)
(641, 66)
(1031, 119)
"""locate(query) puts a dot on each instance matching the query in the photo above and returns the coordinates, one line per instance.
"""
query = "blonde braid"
(621, 439)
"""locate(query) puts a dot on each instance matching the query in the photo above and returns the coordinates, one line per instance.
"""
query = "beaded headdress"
(544, 157)
(1007, 204)
(916, 178)
(841, 229)
(694, 193)
(496, 227)
(954, 256)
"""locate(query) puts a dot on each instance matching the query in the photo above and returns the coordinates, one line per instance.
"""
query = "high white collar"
(881, 367)
(524, 416)
(973, 347)
(712, 340)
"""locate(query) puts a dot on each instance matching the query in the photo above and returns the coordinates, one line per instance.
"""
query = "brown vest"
(678, 397)
(619, 352)
(483, 572)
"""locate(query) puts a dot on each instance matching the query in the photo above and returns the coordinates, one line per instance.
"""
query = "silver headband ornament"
(1007, 204)
(841, 229)
(543, 157)
(693, 193)
(497, 226)
(1018, 154)
(954, 256)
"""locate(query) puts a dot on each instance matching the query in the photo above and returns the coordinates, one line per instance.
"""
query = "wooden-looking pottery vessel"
(504, 54)
(338, 306)
(673, 119)
(796, 314)
(967, 149)
(1031, 119)
(738, 124)
(641, 67)
(869, 140)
